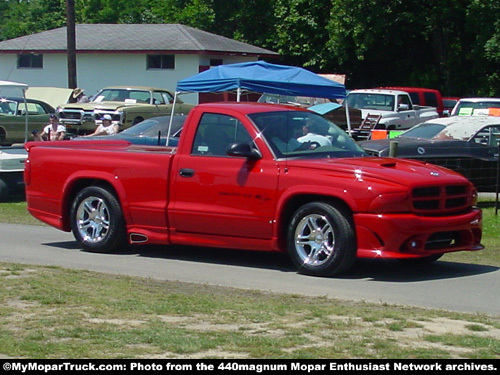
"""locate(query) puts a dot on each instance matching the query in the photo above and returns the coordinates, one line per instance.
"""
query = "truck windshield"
(467, 108)
(381, 102)
(304, 134)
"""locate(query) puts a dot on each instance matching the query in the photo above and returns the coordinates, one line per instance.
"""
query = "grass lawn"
(51, 312)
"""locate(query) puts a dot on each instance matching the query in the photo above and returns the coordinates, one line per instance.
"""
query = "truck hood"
(381, 146)
(390, 114)
(394, 171)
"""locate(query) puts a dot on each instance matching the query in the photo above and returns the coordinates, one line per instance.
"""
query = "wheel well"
(75, 189)
(293, 204)
(137, 120)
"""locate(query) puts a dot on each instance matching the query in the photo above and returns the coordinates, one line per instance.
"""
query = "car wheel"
(4, 191)
(137, 120)
(3, 136)
(97, 220)
(321, 240)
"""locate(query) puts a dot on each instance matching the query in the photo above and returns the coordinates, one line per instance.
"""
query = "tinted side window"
(414, 97)
(430, 99)
(216, 133)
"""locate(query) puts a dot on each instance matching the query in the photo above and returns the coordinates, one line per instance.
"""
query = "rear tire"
(321, 240)
(4, 191)
(97, 221)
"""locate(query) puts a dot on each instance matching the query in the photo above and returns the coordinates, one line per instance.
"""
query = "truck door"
(217, 194)
(407, 115)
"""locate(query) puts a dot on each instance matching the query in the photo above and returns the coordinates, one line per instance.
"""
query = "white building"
(157, 55)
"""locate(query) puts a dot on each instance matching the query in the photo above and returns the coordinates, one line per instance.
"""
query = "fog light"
(413, 244)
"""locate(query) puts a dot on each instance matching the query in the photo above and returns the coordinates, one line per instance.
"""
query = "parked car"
(475, 106)
(449, 103)
(11, 171)
(152, 131)
(336, 113)
(127, 105)
(395, 108)
(424, 97)
(468, 145)
(13, 118)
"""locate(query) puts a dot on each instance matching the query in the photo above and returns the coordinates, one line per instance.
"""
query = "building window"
(30, 60)
(215, 62)
(161, 62)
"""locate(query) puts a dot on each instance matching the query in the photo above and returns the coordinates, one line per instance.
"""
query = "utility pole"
(71, 42)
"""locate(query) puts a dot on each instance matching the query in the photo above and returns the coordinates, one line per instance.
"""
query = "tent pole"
(171, 118)
(348, 118)
(25, 117)
(238, 94)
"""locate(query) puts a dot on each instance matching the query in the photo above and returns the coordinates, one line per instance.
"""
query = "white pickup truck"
(395, 108)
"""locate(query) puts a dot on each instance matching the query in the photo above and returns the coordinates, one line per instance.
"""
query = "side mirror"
(403, 107)
(244, 150)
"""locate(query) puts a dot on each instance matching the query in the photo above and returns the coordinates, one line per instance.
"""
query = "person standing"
(54, 131)
(79, 96)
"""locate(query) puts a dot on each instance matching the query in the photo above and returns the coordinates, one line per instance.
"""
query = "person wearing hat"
(79, 96)
(51, 132)
(106, 127)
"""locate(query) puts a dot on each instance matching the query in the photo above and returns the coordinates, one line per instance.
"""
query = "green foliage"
(451, 45)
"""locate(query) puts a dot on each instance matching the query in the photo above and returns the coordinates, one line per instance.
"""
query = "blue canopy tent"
(263, 77)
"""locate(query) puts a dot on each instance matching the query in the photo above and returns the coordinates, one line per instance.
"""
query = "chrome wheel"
(93, 219)
(314, 240)
(97, 220)
(321, 239)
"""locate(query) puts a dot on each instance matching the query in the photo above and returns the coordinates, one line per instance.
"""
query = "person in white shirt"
(311, 135)
(106, 127)
(51, 132)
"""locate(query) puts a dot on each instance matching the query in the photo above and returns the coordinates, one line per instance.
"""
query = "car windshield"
(466, 108)
(304, 134)
(426, 130)
(151, 127)
(123, 95)
(7, 107)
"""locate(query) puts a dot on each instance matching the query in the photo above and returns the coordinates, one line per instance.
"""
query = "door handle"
(186, 172)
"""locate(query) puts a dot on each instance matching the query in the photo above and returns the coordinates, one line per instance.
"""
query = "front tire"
(97, 221)
(321, 240)
(137, 120)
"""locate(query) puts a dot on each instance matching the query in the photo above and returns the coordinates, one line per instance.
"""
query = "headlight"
(391, 202)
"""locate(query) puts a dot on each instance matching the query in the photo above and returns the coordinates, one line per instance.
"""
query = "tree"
(451, 45)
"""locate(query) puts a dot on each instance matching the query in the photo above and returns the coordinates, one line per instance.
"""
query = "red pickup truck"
(245, 176)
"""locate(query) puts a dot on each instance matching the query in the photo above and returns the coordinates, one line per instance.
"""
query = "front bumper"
(80, 122)
(412, 236)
